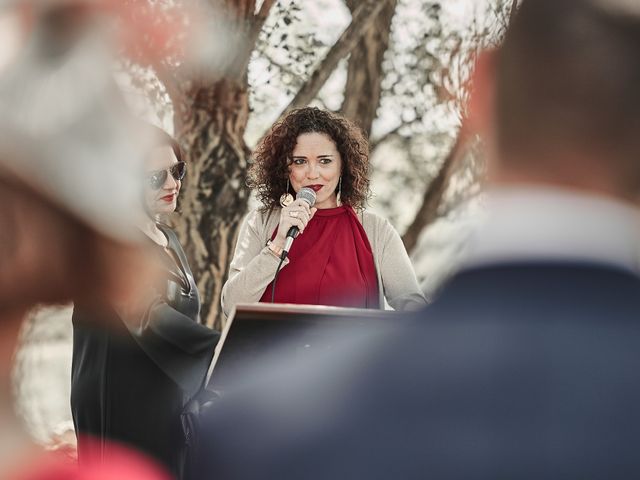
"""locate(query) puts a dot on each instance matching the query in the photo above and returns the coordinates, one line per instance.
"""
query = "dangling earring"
(286, 198)
(338, 199)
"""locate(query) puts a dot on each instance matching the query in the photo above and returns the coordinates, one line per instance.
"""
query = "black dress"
(129, 384)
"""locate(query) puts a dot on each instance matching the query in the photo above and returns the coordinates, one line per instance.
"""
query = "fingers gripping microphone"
(309, 196)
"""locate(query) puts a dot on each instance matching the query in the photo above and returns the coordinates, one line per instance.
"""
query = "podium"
(253, 332)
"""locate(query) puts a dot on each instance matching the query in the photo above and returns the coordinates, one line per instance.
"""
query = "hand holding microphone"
(294, 218)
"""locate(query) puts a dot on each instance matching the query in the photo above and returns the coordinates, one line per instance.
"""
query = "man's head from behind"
(560, 101)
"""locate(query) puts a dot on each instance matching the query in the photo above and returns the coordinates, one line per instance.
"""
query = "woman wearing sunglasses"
(129, 383)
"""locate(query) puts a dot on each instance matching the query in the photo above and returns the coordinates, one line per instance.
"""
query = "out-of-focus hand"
(298, 214)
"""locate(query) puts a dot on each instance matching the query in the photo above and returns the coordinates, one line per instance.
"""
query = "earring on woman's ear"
(338, 199)
(286, 198)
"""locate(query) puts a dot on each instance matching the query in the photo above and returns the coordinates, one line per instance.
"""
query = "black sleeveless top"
(129, 384)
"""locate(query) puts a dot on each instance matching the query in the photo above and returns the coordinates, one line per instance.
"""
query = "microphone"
(308, 195)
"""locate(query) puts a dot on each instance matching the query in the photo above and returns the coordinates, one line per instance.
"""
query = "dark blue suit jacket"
(515, 371)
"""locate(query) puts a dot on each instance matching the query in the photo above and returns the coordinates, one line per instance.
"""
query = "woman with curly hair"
(344, 255)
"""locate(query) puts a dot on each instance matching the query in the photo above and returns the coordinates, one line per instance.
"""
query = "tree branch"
(361, 20)
(376, 142)
(258, 21)
(281, 67)
(432, 198)
(169, 81)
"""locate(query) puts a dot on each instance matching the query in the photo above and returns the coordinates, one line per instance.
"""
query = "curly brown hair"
(268, 174)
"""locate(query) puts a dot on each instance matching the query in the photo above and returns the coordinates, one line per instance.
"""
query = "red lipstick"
(315, 188)
(168, 198)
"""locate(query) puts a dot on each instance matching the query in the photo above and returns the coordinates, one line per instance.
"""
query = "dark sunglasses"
(157, 179)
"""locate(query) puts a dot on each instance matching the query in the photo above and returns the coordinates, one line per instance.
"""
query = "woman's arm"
(252, 267)
(399, 282)
(181, 347)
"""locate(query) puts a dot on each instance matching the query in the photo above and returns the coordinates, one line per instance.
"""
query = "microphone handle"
(291, 235)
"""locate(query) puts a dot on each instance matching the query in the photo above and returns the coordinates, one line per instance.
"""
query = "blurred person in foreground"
(526, 365)
(49, 255)
(68, 146)
(344, 255)
(130, 382)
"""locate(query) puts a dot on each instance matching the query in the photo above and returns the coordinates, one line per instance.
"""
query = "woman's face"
(316, 163)
(163, 199)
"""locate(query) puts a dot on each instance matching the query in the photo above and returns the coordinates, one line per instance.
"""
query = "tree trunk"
(364, 75)
(434, 192)
(215, 198)
(210, 119)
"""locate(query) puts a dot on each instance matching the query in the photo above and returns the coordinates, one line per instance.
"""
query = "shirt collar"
(548, 224)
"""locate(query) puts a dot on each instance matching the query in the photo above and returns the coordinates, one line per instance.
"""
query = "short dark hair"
(268, 173)
(568, 79)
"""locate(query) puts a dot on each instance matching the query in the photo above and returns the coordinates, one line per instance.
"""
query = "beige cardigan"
(254, 265)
